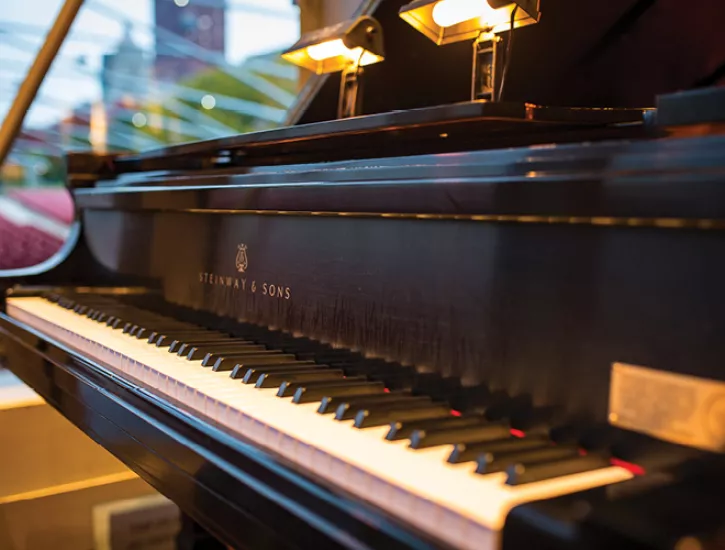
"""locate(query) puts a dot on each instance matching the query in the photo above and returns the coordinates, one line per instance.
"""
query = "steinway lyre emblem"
(241, 261)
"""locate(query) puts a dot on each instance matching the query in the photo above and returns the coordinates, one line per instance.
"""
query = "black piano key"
(169, 336)
(397, 380)
(359, 368)
(211, 358)
(288, 389)
(208, 353)
(347, 410)
(305, 348)
(130, 327)
(403, 430)
(371, 418)
(465, 398)
(182, 346)
(258, 358)
(423, 439)
(329, 404)
(275, 379)
(537, 420)
(309, 393)
(469, 452)
(196, 353)
(491, 462)
(290, 343)
(324, 356)
(143, 331)
(505, 408)
(520, 474)
(249, 374)
(490, 404)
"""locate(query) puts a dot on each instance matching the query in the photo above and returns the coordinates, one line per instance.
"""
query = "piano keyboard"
(455, 476)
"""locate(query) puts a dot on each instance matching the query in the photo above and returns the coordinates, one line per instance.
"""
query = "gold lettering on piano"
(245, 285)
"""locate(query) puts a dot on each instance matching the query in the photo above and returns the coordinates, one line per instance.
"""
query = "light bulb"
(326, 50)
(447, 13)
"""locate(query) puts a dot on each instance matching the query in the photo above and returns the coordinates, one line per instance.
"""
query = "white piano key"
(451, 502)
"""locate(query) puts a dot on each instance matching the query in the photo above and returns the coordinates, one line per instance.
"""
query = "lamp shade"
(353, 42)
(447, 21)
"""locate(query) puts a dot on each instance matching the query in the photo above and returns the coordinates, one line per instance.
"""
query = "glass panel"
(131, 76)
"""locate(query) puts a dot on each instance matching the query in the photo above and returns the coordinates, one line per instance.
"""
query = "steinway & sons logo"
(245, 284)
(241, 260)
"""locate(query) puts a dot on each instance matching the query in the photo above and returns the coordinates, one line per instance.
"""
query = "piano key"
(348, 409)
(316, 395)
(249, 374)
(275, 379)
(520, 474)
(200, 335)
(152, 325)
(324, 356)
(310, 348)
(288, 389)
(182, 349)
(468, 452)
(366, 418)
(450, 502)
(161, 340)
(329, 404)
(195, 352)
(490, 462)
(398, 379)
(505, 408)
(423, 439)
(403, 430)
(359, 368)
(254, 358)
(233, 351)
(130, 327)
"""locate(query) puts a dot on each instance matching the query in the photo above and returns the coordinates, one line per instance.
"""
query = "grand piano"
(442, 324)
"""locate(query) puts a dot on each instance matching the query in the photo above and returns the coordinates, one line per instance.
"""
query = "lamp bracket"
(350, 91)
(486, 75)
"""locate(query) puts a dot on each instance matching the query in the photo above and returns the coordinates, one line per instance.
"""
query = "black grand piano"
(441, 324)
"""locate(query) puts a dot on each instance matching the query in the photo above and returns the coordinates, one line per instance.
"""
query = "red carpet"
(32, 225)
(55, 203)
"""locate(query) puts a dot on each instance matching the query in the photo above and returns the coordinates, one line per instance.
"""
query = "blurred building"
(182, 28)
(125, 87)
(125, 73)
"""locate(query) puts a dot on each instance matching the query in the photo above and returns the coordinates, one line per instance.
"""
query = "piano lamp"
(347, 47)
(447, 21)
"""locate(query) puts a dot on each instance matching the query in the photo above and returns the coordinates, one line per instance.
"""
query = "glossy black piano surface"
(482, 263)
(528, 271)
